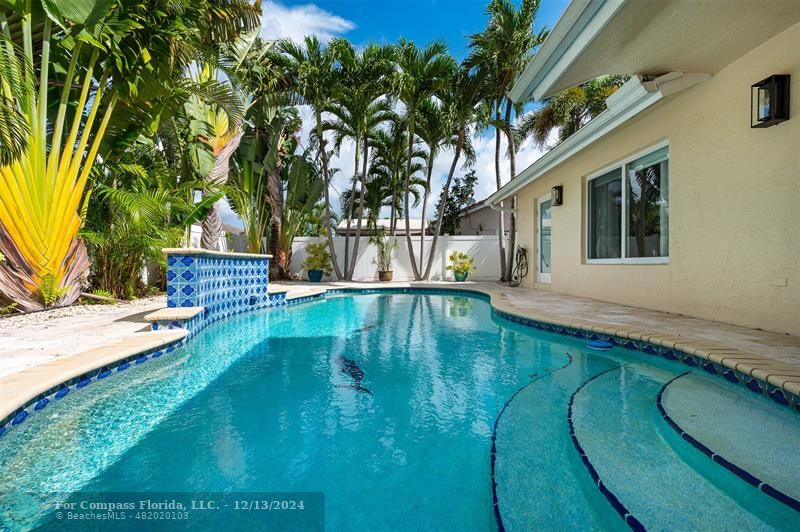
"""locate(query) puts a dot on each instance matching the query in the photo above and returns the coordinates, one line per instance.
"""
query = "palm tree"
(502, 51)
(313, 78)
(568, 110)
(435, 130)
(357, 116)
(360, 108)
(257, 193)
(384, 190)
(389, 167)
(219, 137)
(420, 74)
(462, 101)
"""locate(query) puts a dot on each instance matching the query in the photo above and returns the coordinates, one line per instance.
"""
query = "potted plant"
(461, 264)
(318, 261)
(384, 258)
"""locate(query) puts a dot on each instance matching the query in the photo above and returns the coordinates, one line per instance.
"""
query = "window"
(635, 230)
(605, 215)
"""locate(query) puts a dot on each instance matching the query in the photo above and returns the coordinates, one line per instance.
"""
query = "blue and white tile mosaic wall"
(223, 285)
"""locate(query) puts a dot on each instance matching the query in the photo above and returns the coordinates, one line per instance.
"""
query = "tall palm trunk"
(443, 200)
(350, 217)
(275, 200)
(512, 158)
(407, 207)
(360, 208)
(431, 158)
(212, 224)
(327, 196)
(393, 214)
(501, 224)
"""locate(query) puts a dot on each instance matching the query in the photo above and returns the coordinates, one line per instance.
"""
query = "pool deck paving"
(37, 349)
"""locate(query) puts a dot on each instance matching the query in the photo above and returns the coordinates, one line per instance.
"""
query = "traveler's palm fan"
(44, 171)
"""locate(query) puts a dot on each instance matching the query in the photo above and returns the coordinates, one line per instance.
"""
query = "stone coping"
(307, 292)
(778, 374)
(17, 389)
(210, 253)
(174, 313)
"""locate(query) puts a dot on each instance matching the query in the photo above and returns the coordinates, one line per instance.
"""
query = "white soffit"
(598, 37)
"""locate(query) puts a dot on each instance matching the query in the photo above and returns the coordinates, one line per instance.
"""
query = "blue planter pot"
(460, 276)
(315, 276)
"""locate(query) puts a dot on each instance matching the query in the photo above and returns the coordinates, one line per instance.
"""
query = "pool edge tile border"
(718, 459)
(693, 355)
(78, 373)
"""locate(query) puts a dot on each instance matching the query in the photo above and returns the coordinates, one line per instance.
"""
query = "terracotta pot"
(385, 276)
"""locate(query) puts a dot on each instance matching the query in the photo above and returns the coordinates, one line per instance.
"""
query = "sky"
(383, 22)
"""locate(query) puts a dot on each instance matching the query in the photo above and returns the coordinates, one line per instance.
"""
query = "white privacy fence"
(482, 248)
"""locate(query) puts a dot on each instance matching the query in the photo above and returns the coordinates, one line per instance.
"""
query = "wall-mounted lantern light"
(556, 195)
(769, 101)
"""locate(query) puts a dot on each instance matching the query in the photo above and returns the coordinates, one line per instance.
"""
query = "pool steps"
(613, 426)
(695, 441)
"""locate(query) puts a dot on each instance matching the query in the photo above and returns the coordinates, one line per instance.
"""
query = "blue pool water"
(388, 404)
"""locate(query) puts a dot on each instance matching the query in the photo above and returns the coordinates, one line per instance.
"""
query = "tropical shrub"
(460, 262)
(385, 248)
(65, 68)
(140, 206)
(303, 184)
(50, 291)
(318, 258)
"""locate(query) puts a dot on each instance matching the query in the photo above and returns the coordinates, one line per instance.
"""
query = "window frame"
(620, 164)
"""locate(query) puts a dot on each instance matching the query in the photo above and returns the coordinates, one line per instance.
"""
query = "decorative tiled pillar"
(223, 283)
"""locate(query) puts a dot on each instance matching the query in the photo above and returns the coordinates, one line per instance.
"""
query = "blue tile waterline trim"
(620, 508)
(43, 400)
(753, 384)
(743, 474)
(493, 454)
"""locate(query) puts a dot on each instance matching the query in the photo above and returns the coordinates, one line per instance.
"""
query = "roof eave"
(575, 30)
(631, 99)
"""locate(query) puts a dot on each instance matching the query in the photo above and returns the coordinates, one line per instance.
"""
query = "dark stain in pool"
(351, 368)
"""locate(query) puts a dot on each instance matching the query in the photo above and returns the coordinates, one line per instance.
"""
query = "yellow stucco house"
(671, 199)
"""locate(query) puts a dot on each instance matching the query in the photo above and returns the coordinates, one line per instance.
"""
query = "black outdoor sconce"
(556, 196)
(769, 101)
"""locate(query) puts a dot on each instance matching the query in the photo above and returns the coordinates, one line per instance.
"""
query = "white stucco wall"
(483, 221)
(734, 202)
(484, 249)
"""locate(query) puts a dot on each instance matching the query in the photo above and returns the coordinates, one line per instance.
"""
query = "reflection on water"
(459, 307)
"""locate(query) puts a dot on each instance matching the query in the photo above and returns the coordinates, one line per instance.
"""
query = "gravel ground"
(31, 339)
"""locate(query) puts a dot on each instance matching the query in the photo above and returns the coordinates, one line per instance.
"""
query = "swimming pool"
(419, 411)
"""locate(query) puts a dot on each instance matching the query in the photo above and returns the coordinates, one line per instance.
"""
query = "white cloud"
(295, 22)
